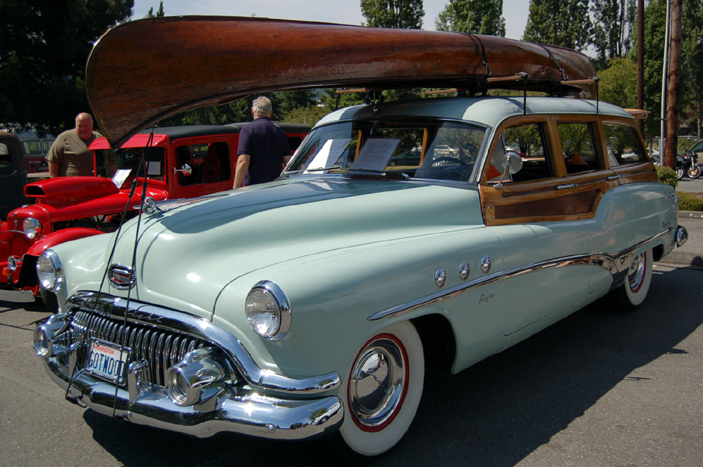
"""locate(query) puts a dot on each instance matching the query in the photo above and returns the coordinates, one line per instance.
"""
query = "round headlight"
(268, 310)
(31, 228)
(50, 271)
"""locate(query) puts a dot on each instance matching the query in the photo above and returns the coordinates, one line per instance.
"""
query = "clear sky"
(330, 11)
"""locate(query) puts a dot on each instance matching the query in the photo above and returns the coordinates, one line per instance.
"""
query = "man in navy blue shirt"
(263, 147)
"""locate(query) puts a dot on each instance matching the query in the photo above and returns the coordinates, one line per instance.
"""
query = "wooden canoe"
(145, 70)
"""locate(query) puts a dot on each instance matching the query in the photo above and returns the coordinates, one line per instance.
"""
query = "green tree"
(472, 17)
(618, 83)
(400, 14)
(159, 13)
(284, 102)
(692, 68)
(306, 115)
(559, 22)
(614, 23)
(654, 33)
(44, 46)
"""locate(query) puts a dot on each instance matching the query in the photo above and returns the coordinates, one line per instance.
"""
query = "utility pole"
(665, 69)
(640, 59)
(672, 116)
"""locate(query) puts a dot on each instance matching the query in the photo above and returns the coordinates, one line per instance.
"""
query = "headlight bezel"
(31, 227)
(257, 316)
(51, 279)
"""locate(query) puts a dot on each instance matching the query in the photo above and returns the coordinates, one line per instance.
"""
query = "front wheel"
(639, 277)
(695, 171)
(383, 390)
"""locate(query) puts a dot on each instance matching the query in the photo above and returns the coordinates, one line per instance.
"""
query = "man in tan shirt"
(69, 155)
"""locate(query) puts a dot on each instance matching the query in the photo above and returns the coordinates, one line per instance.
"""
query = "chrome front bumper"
(247, 400)
(236, 411)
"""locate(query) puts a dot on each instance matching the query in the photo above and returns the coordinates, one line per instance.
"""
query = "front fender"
(61, 236)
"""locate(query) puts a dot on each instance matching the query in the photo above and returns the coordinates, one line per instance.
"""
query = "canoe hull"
(146, 70)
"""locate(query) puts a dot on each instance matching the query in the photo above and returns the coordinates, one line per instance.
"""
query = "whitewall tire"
(382, 390)
(639, 277)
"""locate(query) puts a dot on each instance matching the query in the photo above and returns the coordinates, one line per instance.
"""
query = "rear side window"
(579, 147)
(623, 145)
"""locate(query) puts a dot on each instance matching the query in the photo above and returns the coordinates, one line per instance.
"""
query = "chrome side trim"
(617, 264)
(165, 319)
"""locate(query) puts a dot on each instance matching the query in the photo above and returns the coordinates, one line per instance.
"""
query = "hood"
(70, 190)
(187, 256)
(71, 198)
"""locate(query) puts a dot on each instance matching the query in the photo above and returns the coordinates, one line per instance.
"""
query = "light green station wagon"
(313, 303)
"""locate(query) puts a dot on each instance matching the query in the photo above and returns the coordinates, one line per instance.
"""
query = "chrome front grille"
(160, 348)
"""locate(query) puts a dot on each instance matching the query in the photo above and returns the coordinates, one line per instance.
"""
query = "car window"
(698, 147)
(209, 163)
(5, 155)
(578, 144)
(107, 162)
(440, 150)
(46, 145)
(623, 145)
(32, 147)
(529, 142)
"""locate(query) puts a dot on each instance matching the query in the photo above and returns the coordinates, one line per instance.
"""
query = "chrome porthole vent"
(464, 271)
(486, 264)
(440, 277)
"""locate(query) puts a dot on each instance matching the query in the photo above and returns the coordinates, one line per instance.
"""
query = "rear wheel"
(680, 172)
(639, 277)
(383, 390)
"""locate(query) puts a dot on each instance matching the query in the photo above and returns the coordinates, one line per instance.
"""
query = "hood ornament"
(121, 277)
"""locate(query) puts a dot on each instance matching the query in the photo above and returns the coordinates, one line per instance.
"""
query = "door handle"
(566, 187)
(614, 177)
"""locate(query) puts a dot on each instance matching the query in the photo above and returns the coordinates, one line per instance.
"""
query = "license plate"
(107, 362)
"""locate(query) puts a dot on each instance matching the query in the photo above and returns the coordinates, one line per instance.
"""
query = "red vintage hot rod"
(179, 162)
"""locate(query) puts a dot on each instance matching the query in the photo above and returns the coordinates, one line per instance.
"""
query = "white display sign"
(375, 154)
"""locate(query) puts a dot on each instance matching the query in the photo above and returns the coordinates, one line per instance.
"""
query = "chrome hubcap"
(377, 383)
(635, 276)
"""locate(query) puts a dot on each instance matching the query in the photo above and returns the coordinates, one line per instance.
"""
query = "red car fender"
(61, 236)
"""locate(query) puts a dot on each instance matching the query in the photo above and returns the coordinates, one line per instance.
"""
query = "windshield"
(438, 150)
(107, 162)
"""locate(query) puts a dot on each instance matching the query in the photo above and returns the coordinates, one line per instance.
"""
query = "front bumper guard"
(234, 410)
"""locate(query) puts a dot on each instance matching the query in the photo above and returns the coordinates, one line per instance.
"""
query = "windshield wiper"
(316, 169)
(379, 173)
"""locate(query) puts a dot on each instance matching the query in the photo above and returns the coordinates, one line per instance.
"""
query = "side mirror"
(185, 170)
(512, 166)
